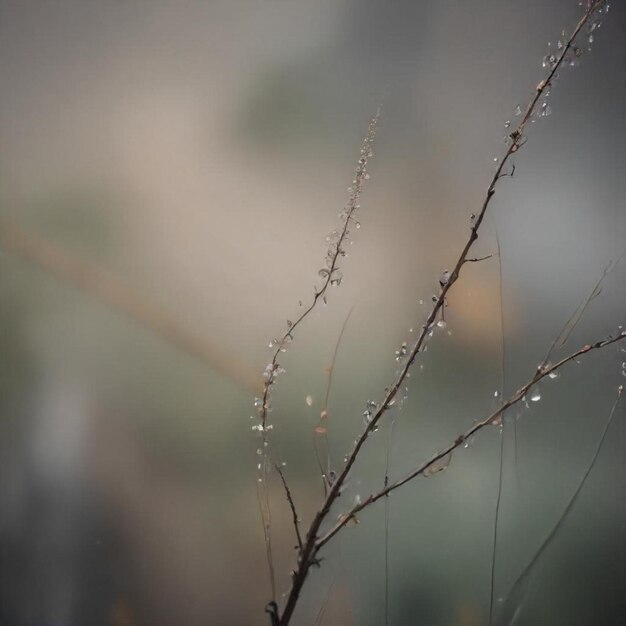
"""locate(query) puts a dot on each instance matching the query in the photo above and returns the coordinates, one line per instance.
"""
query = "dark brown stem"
(478, 259)
(330, 278)
(296, 519)
(493, 418)
(308, 557)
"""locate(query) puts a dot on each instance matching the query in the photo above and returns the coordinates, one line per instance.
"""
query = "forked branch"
(446, 452)
(517, 139)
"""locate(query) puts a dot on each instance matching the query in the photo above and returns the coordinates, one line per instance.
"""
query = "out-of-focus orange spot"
(320, 430)
(121, 615)
(468, 613)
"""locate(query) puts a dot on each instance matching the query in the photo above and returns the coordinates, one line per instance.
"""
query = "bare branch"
(568, 327)
(541, 373)
(331, 276)
(476, 260)
(503, 389)
(296, 519)
(313, 543)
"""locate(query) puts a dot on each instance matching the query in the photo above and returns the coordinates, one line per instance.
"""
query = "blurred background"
(168, 173)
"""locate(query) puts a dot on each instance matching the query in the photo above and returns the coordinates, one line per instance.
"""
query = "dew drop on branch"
(440, 465)
(401, 352)
(444, 278)
(549, 60)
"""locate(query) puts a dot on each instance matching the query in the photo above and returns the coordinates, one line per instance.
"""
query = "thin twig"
(387, 458)
(496, 519)
(476, 260)
(541, 373)
(313, 543)
(568, 327)
(331, 276)
(296, 519)
(519, 586)
(266, 518)
(324, 607)
(494, 550)
(320, 431)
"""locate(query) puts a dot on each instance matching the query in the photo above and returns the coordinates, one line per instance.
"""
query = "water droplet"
(444, 277)
(544, 110)
(351, 523)
(507, 124)
(309, 400)
(441, 324)
(401, 352)
(549, 61)
(553, 374)
(473, 219)
(518, 110)
(439, 465)
(535, 396)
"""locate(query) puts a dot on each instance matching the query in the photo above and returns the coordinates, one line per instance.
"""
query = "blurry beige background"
(169, 171)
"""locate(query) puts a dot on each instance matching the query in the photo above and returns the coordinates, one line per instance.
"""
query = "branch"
(476, 260)
(446, 452)
(331, 274)
(514, 599)
(312, 544)
(320, 429)
(296, 519)
(332, 277)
